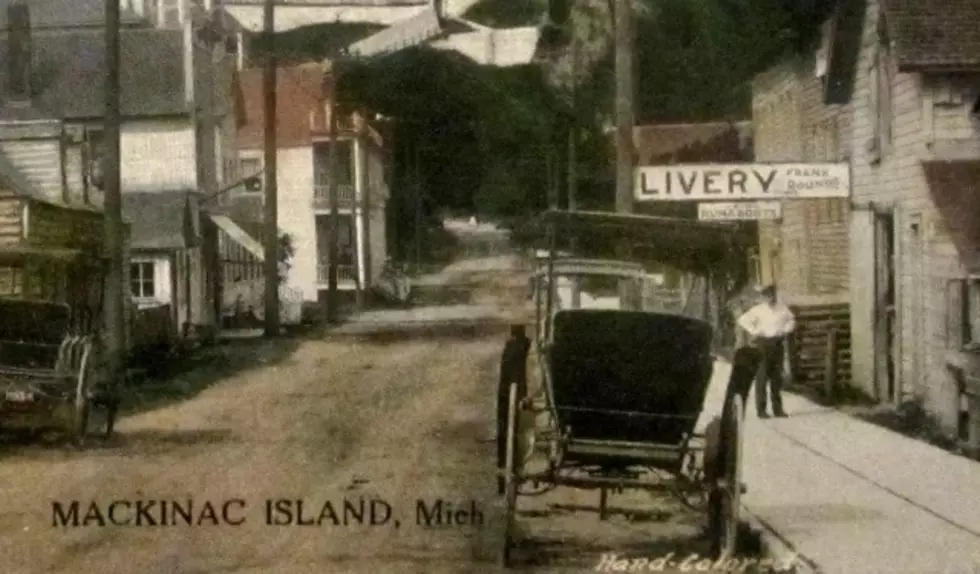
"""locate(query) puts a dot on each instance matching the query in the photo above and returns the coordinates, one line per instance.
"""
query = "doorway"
(886, 337)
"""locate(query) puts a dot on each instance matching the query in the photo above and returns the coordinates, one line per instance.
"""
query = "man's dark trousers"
(770, 378)
(513, 369)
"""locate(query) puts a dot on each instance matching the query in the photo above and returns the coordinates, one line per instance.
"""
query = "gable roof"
(299, 92)
(68, 13)
(934, 34)
(159, 219)
(68, 67)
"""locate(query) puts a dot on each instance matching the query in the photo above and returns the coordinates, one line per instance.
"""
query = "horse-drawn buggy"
(621, 388)
(52, 359)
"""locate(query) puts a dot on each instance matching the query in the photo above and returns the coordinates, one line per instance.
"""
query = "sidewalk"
(850, 497)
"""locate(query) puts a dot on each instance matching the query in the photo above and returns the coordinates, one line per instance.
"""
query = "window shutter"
(956, 291)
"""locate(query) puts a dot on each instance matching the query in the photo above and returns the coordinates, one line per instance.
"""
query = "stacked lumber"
(820, 349)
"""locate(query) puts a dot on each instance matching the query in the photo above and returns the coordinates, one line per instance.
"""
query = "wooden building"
(49, 249)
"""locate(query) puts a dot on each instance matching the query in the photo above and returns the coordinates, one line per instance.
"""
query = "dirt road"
(322, 421)
(400, 423)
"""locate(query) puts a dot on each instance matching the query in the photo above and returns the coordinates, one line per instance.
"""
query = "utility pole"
(270, 173)
(115, 289)
(333, 230)
(623, 28)
(362, 203)
(418, 206)
(573, 160)
(624, 105)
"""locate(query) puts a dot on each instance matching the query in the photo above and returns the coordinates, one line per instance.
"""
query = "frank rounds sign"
(707, 182)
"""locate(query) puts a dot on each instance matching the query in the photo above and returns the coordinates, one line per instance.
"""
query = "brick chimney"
(18, 54)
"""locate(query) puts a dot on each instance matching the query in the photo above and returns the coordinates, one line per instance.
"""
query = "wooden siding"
(53, 226)
(39, 161)
(792, 123)
(11, 212)
(925, 257)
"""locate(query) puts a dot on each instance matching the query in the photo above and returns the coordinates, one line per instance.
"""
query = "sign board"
(726, 182)
(740, 210)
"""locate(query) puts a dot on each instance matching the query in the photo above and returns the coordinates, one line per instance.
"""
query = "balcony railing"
(346, 196)
(346, 274)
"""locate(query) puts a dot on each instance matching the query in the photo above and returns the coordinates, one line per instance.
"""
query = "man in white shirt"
(768, 323)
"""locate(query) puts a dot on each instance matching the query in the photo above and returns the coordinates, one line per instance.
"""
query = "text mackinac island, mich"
(345, 512)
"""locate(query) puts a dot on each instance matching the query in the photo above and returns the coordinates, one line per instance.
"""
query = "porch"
(345, 176)
(349, 252)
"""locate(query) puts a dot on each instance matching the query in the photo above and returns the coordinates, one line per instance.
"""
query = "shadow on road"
(185, 377)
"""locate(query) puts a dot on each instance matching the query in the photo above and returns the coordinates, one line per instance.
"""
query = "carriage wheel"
(510, 476)
(726, 498)
(83, 406)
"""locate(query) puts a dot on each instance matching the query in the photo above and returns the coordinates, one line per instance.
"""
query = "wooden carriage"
(623, 389)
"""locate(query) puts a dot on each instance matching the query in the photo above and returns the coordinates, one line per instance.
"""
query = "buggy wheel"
(727, 493)
(510, 476)
(83, 405)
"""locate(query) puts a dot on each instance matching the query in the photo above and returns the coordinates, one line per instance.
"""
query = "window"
(880, 97)
(141, 280)
(963, 308)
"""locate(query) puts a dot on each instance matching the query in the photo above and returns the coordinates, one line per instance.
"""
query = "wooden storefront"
(52, 252)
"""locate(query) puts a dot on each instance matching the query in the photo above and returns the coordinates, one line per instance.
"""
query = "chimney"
(19, 53)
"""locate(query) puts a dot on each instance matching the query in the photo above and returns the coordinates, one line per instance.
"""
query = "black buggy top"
(628, 375)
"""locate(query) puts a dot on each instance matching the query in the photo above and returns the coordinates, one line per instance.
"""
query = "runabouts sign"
(725, 182)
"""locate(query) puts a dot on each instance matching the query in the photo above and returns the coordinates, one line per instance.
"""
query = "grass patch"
(180, 378)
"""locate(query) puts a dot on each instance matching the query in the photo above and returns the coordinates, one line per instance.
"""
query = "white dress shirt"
(768, 321)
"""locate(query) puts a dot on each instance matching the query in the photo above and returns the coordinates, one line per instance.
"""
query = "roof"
(158, 218)
(67, 13)
(955, 190)
(68, 66)
(15, 179)
(424, 26)
(683, 243)
(22, 186)
(935, 34)
(579, 266)
(715, 141)
(299, 91)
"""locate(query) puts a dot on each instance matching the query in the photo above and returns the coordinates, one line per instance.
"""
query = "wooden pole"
(418, 207)
(363, 188)
(115, 289)
(333, 229)
(623, 29)
(573, 161)
(624, 105)
(270, 172)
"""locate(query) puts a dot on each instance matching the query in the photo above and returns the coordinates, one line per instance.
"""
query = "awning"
(239, 235)
(685, 244)
(410, 32)
(606, 267)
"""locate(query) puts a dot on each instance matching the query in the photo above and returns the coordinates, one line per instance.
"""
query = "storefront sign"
(740, 211)
(726, 182)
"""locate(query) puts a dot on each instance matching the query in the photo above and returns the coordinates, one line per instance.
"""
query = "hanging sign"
(727, 182)
(740, 211)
